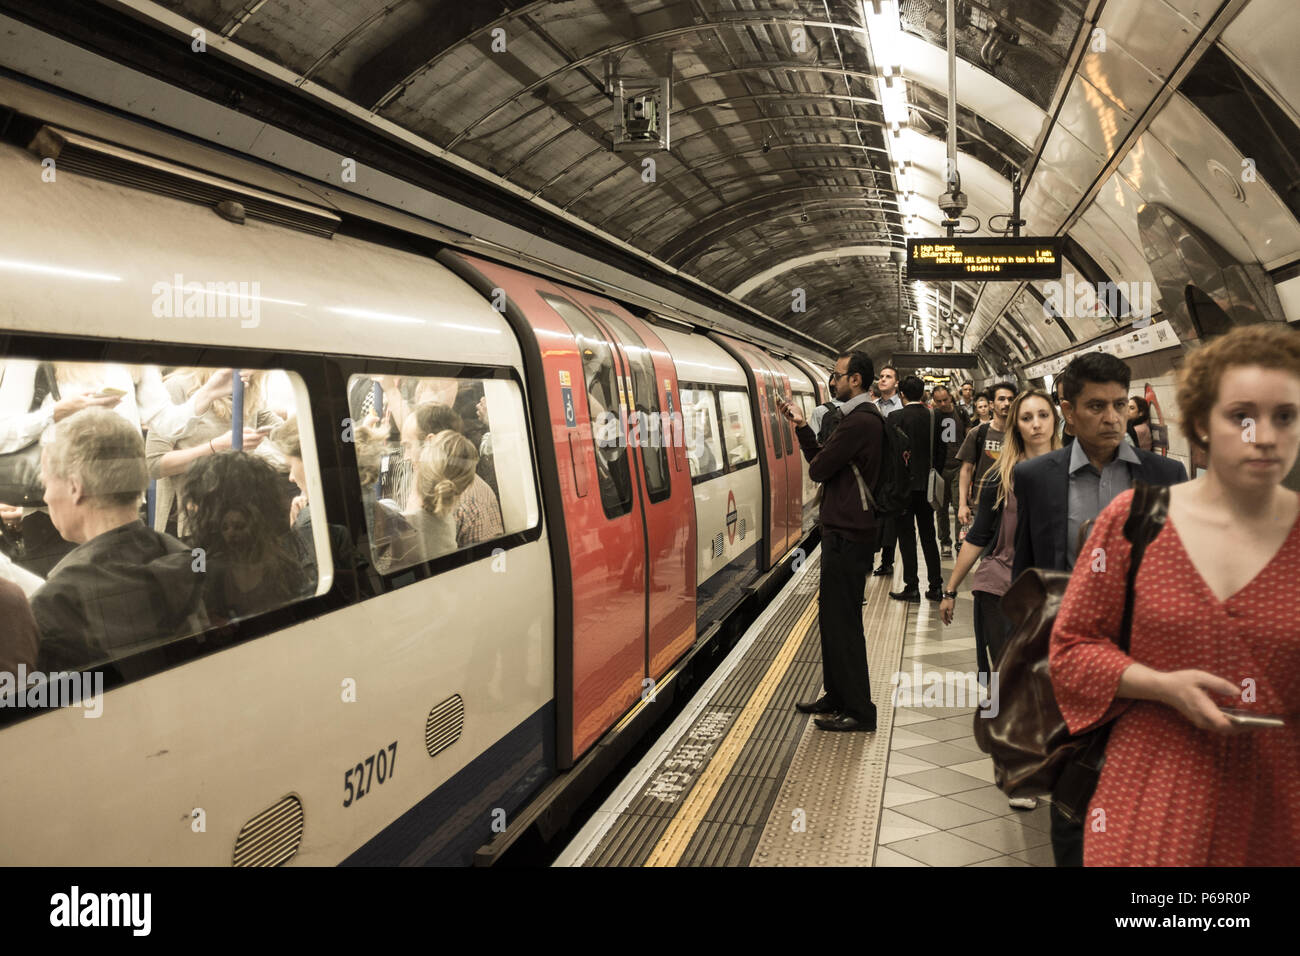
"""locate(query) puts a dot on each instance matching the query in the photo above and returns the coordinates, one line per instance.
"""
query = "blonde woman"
(206, 435)
(444, 472)
(1031, 431)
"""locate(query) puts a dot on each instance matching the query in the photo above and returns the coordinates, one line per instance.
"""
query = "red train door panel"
(794, 465)
(600, 666)
(667, 499)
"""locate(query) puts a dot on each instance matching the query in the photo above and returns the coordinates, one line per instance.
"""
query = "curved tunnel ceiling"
(787, 179)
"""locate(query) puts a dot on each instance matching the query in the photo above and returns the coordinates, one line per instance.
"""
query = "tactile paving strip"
(827, 812)
(731, 824)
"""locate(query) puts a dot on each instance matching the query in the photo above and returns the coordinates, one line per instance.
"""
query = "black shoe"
(934, 594)
(845, 722)
(822, 705)
(882, 571)
(907, 594)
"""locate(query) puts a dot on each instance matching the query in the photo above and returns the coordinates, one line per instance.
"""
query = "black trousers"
(991, 631)
(839, 617)
(950, 499)
(886, 541)
(1067, 839)
(918, 519)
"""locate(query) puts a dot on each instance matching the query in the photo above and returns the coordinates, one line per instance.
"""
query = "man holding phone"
(845, 465)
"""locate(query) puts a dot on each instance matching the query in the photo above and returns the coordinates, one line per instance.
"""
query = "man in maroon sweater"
(848, 462)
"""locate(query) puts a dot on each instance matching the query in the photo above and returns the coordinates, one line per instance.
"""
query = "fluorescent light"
(43, 269)
(376, 316)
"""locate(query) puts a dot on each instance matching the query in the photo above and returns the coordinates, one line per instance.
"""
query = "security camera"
(767, 147)
(803, 217)
(641, 117)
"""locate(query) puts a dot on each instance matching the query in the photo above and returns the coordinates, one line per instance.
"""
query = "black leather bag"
(1033, 750)
(20, 471)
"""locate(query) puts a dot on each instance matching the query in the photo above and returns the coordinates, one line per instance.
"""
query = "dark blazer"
(914, 419)
(1042, 487)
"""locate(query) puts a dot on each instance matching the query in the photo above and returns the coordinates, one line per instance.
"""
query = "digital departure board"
(978, 259)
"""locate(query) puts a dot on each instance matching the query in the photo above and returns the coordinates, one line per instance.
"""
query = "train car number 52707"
(377, 767)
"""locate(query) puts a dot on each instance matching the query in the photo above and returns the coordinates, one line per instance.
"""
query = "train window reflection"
(443, 464)
(700, 426)
(738, 427)
(143, 505)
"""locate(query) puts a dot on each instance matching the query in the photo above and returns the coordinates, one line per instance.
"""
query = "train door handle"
(579, 469)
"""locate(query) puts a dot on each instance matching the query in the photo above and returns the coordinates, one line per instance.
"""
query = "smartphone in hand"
(1247, 718)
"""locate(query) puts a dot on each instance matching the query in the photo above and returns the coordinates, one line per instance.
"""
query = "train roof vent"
(90, 157)
(271, 837)
(444, 726)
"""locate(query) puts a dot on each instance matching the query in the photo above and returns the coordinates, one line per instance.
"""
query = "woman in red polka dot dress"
(1216, 624)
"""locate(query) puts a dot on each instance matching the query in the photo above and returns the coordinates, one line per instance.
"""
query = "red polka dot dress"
(1170, 794)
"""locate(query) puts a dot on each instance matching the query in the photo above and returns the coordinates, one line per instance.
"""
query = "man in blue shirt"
(1058, 493)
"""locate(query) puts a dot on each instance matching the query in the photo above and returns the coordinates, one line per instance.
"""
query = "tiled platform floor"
(940, 806)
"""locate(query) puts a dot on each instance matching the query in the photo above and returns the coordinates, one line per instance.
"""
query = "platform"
(743, 779)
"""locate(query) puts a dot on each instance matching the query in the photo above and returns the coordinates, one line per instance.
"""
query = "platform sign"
(979, 259)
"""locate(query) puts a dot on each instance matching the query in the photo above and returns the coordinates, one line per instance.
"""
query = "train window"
(806, 404)
(603, 404)
(700, 426)
(650, 432)
(444, 465)
(738, 427)
(153, 519)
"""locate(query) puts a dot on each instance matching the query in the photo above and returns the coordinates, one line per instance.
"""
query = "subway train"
(409, 713)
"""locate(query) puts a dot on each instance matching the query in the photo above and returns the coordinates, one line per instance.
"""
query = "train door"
(794, 465)
(767, 422)
(600, 657)
(655, 435)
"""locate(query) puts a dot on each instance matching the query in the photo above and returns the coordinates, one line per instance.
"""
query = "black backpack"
(892, 493)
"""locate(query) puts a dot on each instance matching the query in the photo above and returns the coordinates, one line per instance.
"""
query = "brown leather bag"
(1033, 750)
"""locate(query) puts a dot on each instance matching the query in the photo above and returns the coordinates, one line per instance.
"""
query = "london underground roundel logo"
(731, 517)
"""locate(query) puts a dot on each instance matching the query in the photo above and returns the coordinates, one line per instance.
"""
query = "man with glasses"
(850, 457)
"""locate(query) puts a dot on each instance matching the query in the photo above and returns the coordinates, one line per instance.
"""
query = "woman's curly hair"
(1268, 345)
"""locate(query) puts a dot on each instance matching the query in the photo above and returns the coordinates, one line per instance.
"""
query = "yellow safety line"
(678, 836)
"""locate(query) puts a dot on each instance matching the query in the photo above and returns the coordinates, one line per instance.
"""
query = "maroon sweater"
(857, 438)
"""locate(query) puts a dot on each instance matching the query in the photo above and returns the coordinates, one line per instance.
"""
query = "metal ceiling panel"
(1122, 78)
(1151, 32)
(1158, 176)
(1094, 119)
(1070, 159)
(978, 91)
(1263, 40)
(1252, 207)
(1114, 251)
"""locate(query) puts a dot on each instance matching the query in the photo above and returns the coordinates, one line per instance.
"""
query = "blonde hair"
(1268, 346)
(1014, 449)
(445, 471)
(223, 408)
(370, 446)
(103, 451)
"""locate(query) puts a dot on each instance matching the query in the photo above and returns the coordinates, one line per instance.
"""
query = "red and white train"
(409, 714)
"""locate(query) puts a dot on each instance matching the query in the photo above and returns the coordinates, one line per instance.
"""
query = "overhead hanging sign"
(979, 259)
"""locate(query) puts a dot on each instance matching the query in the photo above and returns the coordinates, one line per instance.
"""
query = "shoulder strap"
(1146, 516)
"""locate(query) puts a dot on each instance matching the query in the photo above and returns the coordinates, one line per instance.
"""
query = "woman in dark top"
(1139, 422)
(993, 535)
